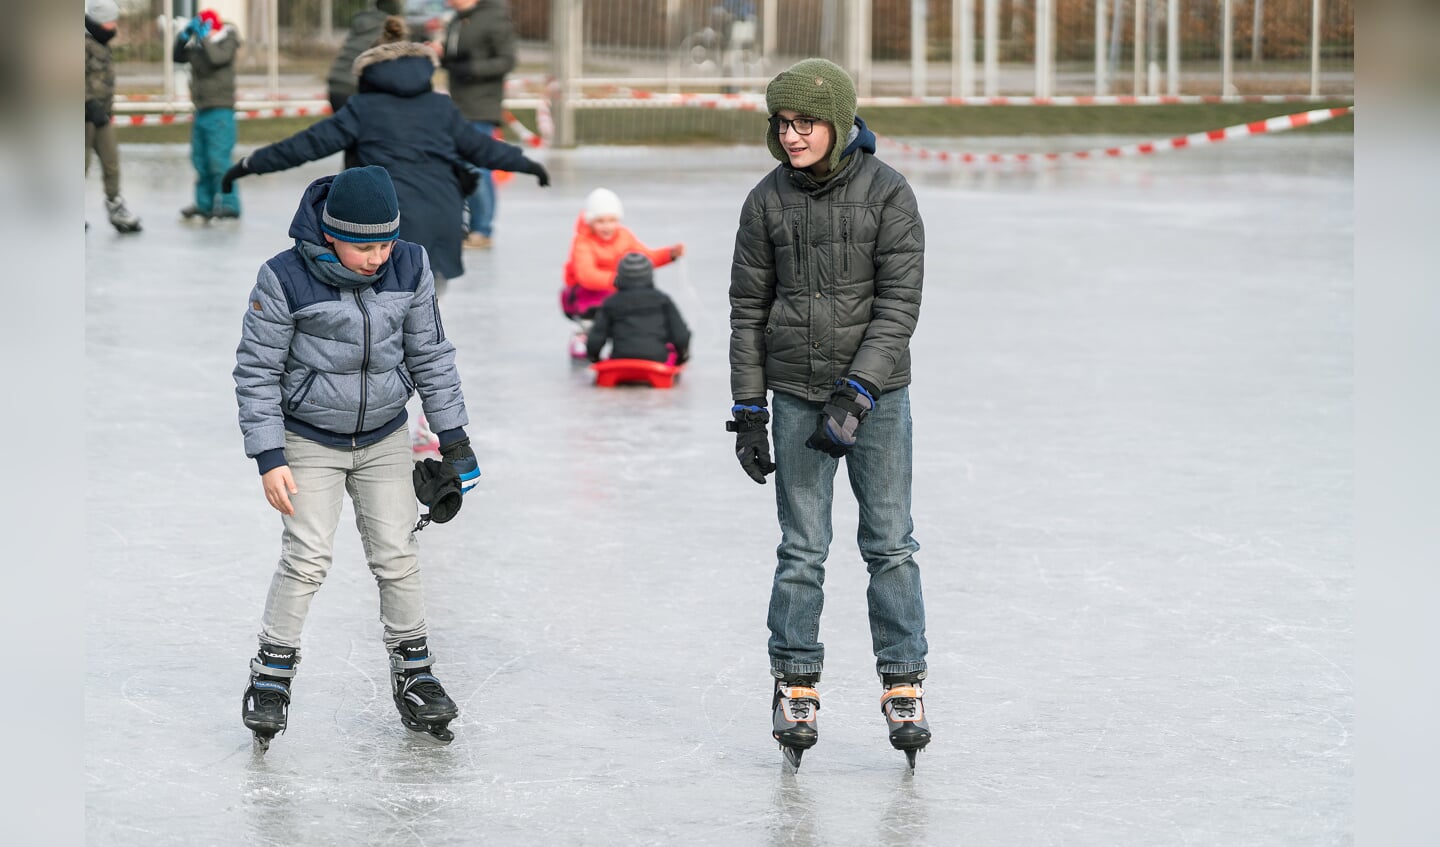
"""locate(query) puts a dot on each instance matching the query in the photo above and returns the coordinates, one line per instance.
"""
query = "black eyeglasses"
(802, 126)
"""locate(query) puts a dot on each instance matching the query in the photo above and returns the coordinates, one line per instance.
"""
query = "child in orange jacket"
(601, 241)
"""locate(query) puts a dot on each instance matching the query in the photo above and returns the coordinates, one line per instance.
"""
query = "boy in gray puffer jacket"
(339, 331)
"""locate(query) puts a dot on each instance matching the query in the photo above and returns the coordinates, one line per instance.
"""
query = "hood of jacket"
(403, 68)
(305, 226)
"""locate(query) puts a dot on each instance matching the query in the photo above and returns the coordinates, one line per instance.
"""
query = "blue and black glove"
(460, 457)
(752, 438)
(237, 170)
(840, 419)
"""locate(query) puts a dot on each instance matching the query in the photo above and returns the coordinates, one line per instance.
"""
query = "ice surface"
(1132, 408)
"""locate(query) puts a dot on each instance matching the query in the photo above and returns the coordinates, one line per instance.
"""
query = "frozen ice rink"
(1132, 405)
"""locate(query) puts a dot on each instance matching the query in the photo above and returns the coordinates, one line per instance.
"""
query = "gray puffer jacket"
(826, 279)
(336, 365)
(212, 67)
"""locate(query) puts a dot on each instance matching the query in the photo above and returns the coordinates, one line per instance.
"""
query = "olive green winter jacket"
(826, 279)
(479, 52)
(212, 67)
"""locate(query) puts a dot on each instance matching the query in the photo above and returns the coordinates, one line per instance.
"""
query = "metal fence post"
(1315, 48)
(962, 48)
(1227, 46)
(1140, 10)
(1172, 48)
(992, 48)
(918, 19)
(1102, 84)
(566, 35)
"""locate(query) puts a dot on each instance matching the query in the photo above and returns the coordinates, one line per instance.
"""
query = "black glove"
(237, 170)
(95, 113)
(438, 487)
(538, 171)
(846, 409)
(752, 440)
(461, 458)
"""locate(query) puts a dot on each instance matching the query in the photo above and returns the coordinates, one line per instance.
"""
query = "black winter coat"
(479, 52)
(415, 133)
(638, 320)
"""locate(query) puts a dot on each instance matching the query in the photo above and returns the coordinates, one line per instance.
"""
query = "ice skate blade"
(910, 758)
(441, 736)
(262, 743)
(792, 756)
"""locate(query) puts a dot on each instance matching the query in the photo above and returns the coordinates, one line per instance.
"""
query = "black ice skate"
(795, 706)
(120, 216)
(265, 708)
(904, 709)
(420, 698)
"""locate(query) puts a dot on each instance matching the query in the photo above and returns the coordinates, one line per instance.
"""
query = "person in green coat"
(208, 45)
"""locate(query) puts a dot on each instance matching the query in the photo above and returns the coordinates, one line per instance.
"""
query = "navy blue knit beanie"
(361, 206)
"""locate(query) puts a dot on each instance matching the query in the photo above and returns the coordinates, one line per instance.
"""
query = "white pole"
(274, 57)
(1172, 48)
(167, 32)
(1042, 38)
(992, 48)
(671, 83)
(917, 47)
(1140, 11)
(962, 47)
(1227, 46)
(327, 22)
(1102, 85)
(866, 17)
(1315, 49)
(769, 34)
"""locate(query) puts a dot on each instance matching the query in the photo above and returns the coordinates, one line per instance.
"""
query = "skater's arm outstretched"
(485, 152)
(335, 133)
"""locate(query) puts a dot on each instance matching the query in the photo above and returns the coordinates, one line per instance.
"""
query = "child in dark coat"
(639, 320)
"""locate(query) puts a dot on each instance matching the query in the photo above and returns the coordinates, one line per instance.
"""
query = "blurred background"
(638, 71)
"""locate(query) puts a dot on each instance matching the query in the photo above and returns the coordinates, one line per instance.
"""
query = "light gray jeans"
(378, 480)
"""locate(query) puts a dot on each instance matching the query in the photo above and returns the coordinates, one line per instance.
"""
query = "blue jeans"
(212, 140)
(482, 203)
(879, 467)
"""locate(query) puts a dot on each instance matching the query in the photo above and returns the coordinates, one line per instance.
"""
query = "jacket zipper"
(364, 365)
(795, 226)
(845, 240)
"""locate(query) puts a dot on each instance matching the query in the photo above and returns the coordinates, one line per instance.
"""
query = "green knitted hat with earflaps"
(820, 89)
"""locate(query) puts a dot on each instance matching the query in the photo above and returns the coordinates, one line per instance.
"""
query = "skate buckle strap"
(400, 664)
(270, 670)
(265, 685)
(902, 703)
(800, 703)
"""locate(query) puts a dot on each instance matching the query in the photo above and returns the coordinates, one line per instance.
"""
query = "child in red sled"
(600, 242)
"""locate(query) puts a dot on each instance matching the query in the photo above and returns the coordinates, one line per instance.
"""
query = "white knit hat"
(103, 11)
(602, 202)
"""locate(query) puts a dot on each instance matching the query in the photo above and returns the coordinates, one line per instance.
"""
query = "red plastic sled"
(613, 372)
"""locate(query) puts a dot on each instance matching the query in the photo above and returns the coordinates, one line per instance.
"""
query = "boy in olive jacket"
(824, 296)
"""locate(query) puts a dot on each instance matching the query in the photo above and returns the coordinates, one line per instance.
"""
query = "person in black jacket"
(639, 320)
(399, 122)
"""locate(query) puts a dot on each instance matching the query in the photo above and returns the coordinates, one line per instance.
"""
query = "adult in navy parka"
(399, 122)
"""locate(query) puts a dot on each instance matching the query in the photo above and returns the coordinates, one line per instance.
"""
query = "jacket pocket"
(845, 242)
(303, 390)
(405, 379)
(795, 230)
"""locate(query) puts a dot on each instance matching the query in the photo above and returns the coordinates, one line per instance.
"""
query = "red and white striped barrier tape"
(1214, 136)
(624, 96)
(168, 118)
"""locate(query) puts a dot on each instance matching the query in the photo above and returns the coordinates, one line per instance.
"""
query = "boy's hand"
(840, 419)
(752, 438)
(279, 485)
(462, 459)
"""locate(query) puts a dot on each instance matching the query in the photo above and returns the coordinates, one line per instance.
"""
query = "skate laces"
(799, 702)
(903, 706)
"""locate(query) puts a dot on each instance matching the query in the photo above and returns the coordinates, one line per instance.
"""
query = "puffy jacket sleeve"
(325, 138)
(220, 48)
(483, 151)
(430, 358)
(752, 291)
(585, 258)
(899, 274)
(265, 337)
(598, 335)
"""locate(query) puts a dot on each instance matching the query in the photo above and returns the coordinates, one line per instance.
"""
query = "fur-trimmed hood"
(394, 50)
